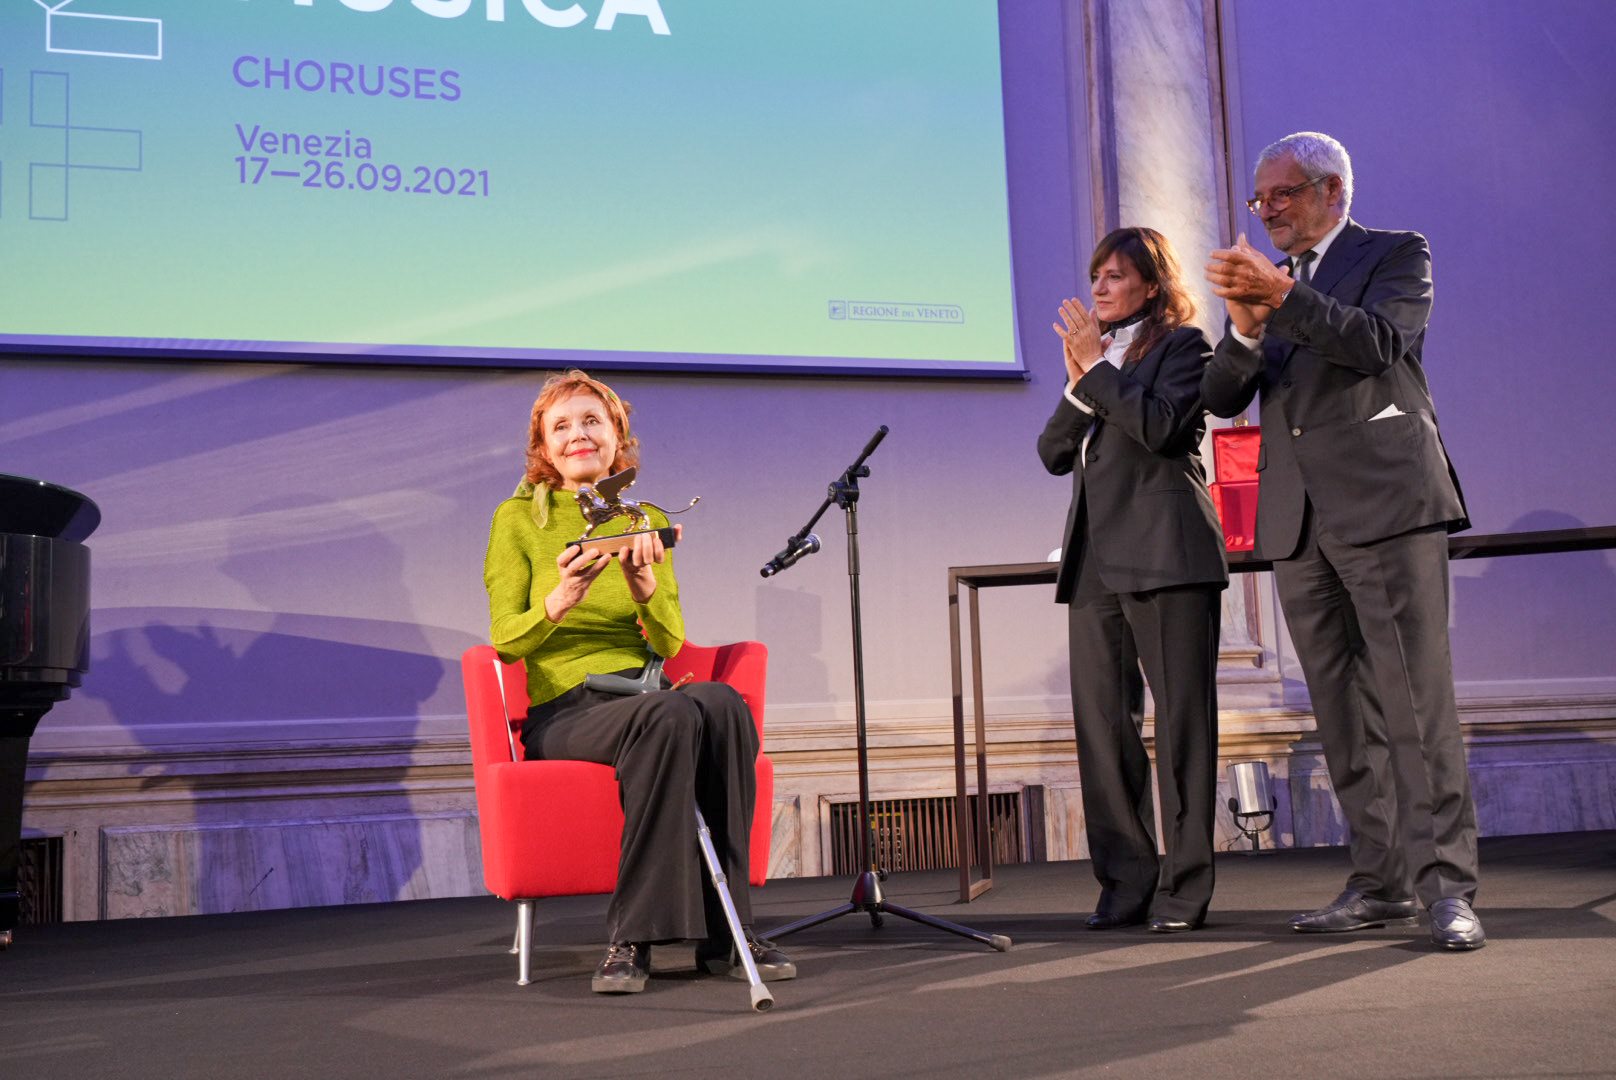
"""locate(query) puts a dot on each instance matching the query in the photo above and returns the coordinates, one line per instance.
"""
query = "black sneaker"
(717, 957)
(624, 969)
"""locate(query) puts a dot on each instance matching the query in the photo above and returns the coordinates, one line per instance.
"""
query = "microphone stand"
(867, 895)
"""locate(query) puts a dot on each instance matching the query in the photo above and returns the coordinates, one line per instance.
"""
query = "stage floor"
(427, 989)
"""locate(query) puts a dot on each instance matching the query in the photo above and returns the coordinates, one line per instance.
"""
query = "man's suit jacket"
(1339, 352)
(1152, 522)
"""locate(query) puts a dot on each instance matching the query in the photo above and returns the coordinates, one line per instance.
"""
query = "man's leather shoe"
(1106, 920)
(624, 969)
(1160, 924)
(1455, 926)
(718, 958)
(1352, 910)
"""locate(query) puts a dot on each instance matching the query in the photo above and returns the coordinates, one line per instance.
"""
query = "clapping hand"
(1080, 337)
(1250, 285)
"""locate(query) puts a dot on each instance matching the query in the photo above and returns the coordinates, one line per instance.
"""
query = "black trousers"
(1370, 624)
(671, 750)
(1173, 632)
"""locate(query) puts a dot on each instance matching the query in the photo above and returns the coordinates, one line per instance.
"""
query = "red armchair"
(553, 828)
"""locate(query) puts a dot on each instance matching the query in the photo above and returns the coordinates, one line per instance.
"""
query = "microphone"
(796, 548)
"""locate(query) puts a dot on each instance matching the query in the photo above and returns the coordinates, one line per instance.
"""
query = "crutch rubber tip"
(1000, 942)
(762, 1000)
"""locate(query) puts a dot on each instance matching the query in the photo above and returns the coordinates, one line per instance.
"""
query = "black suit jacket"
(1142, 482)
(1336, 354)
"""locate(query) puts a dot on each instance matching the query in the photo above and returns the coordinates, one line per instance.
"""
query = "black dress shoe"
(624, 969)
(717, 957)
(1352, 910)
(1106, 920)
(1161, 925)
(1455, 926)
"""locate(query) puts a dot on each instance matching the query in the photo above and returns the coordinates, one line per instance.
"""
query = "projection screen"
(683, 184)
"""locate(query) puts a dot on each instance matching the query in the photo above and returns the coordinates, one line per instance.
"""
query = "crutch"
(762, 1000)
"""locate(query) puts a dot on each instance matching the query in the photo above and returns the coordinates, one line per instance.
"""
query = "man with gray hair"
(1355, 501)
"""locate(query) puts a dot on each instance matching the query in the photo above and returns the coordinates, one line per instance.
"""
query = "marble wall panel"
(1063, 816)
(207, 869)
(1160, 123)
(1316, 819)
(785, 841)
(1518, 790)
(1514, 798)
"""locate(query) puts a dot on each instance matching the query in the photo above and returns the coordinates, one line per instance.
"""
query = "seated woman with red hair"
(569, 615)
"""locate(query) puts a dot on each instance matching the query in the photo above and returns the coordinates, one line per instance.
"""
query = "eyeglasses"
(1281, 198)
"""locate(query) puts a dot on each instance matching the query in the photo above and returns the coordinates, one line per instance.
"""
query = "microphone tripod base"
(867, 897)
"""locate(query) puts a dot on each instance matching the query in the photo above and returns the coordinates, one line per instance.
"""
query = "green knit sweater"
(602, 633)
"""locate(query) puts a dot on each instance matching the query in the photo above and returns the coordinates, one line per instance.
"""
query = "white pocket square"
(1388, 411)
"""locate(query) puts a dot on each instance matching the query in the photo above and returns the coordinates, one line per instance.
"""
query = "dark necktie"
(1304, 267)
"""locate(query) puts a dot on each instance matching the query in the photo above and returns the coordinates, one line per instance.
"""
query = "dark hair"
(1151, 255)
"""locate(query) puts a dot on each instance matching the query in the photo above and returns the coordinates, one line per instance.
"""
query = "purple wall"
(1485, 125)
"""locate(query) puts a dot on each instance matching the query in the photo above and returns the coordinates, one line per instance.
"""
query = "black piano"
(44, 638)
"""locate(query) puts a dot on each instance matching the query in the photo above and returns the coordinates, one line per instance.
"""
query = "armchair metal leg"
(524, 940)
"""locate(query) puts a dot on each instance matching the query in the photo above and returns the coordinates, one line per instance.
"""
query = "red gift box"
(1236, 504)
(1234, 493)
(1234, 452)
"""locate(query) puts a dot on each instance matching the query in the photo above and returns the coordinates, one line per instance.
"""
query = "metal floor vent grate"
(39, 881)
(919, 833)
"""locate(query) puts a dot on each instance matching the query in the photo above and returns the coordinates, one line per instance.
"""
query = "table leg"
(962, 802)
(984, 847)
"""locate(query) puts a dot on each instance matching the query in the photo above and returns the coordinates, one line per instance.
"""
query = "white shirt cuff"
(1249, 342)
(1073, 398)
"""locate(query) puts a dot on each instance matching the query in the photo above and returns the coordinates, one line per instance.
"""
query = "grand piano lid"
(35, 508)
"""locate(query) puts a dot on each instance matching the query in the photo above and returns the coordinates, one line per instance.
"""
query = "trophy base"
(611, 545)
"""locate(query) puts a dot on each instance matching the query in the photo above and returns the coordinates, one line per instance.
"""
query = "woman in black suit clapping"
(1141, 571)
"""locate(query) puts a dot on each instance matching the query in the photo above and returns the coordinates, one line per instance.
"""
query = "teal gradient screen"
(700, 184)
